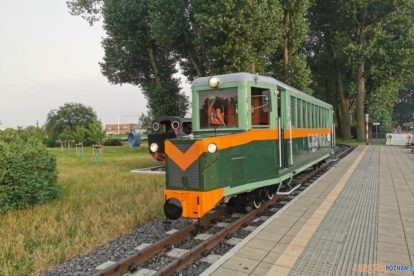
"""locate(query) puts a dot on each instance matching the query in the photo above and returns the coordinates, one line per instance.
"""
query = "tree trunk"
(339, 121)
(344, 108)
(286, 20)
(197, 66)
(361, 101)
(360, 79)
(344, 102)
(154, 66)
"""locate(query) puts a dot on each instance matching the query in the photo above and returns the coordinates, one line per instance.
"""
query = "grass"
(96, 204)
(351, 142)
(354, 142)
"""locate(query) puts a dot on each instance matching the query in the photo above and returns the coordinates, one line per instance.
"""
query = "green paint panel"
(231, 167)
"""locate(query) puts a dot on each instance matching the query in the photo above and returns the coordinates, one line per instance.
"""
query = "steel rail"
(195, 253)
(130, 263)
(210, 243)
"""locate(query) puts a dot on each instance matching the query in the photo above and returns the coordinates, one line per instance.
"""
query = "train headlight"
(213, 82)
(154, 147)
(212, 148)
(175, 125)
(156, 126)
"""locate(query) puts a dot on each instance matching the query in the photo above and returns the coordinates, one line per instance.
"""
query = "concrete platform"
(358, 219)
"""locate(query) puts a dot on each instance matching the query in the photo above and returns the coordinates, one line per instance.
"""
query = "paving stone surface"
(348, 233)
(371, 221)
(211, 259)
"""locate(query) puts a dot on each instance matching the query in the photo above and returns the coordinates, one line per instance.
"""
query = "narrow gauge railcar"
(166, 127)
(268, 133)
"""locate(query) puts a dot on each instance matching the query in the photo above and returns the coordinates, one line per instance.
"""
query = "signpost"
(376, 129)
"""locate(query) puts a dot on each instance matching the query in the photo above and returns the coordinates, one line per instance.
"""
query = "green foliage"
(375, 36)
(27, 171)
(144, 121)
(94, 132)
(79, 134)
(236, 36)
(133, 56)
(294, 27)
(349, 53)
(404, 108)
(175, 27)
(89, 9)
(73, 121)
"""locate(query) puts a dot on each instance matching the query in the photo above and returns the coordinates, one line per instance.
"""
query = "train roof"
(245, 77)
(165, 118)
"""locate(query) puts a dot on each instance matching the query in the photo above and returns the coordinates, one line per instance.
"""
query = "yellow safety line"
(284, 264)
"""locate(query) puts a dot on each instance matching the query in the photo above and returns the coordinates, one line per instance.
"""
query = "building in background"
(120, 129)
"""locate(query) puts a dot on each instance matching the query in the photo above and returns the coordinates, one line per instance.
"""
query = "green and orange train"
(264, 133)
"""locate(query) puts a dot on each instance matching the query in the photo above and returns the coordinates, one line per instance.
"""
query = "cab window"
(260, 107)
(218, 108)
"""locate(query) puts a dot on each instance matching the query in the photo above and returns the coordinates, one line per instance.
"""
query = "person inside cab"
(216, 112)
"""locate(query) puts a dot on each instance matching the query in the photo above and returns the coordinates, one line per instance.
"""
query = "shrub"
(113, 142)
(27, 171)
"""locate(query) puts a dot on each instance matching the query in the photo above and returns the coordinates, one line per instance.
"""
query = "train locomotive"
(166, 127)
(251, 135)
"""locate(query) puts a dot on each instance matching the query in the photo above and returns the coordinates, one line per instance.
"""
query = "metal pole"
(366, 128)
(118, 125)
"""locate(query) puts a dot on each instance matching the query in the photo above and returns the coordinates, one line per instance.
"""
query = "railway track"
(145, 258)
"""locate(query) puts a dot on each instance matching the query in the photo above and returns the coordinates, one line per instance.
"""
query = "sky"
(48, 58)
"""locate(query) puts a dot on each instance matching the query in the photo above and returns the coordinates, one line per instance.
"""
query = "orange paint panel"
(305, 132)
(195, 204)
(185, 159)
(182, 159)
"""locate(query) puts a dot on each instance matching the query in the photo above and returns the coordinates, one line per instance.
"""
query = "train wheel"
(257, 203)
(269, 194)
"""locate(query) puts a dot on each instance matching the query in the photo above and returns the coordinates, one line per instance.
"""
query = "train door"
(281, 118)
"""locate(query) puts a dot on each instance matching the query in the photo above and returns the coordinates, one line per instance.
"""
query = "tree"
(236, 36)
(288, 61)
(67, 121)
(132, 55)
(144, 121)
(95, 133)
(331, 75)
(175, 27)
(79, 134)
(404, 108)
(370, 45)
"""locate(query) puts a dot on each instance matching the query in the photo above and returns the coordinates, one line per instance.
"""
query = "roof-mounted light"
(213, 82)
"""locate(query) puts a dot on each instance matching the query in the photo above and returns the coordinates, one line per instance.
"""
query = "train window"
(320, 117)
(318, 123)
(305, 117)
(299, 110)
(218, 108)
(313, 116)
(260, 108)
(323, 118)
(309, 107)
(293, 112)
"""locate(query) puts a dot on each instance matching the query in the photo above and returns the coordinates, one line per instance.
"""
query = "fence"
(377, 138)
